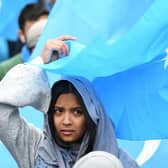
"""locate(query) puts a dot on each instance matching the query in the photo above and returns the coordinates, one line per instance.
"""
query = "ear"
(21, 36)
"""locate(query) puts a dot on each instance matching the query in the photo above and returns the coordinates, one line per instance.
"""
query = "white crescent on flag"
(148, 150)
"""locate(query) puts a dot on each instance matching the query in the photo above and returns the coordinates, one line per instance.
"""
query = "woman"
(74, 120)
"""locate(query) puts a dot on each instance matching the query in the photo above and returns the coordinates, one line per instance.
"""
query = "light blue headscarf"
(51, 155)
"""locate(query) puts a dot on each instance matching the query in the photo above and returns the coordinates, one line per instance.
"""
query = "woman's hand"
(55, 48)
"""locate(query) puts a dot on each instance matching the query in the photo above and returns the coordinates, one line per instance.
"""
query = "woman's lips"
(67, 132)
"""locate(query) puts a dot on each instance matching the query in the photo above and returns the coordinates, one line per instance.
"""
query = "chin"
(68, 140)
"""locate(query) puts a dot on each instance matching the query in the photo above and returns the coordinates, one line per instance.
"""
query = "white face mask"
(22, 39)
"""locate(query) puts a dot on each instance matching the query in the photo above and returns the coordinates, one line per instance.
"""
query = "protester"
(58, 44)
(75, 122)
(32, 35)
(29, 15)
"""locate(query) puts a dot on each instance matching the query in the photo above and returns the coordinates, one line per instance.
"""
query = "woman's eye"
(78, 112)
(57, 111)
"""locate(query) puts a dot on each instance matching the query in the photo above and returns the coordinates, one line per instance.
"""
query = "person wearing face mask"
(75, 122)
(32, 22)
(30, 14)
(58, 44)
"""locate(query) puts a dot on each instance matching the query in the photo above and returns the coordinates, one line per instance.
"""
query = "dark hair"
(31, 12)
(63, 87)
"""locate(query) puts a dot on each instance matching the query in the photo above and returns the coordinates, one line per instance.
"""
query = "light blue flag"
(137, 100)
(9, 12)
(144, 41)
(87, 19)
(109, 65)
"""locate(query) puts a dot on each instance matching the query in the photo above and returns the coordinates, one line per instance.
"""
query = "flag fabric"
(89, 19)
(9, 12)
(137, 100)
(144, 41)
(128, 74)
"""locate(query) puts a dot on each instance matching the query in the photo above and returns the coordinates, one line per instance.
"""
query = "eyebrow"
(76, 107)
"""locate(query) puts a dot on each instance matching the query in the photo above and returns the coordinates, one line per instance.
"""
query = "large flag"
(128, 74)
(87, 19)
(144, 40)
(9, 12)
(137, 100)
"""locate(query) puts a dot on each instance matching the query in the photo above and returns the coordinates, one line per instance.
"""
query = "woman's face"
(69, 119)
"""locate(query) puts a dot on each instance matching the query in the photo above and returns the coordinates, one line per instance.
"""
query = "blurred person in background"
(29, 15)
(58, 44)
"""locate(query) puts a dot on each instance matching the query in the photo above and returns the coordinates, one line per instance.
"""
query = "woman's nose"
(67, 119)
